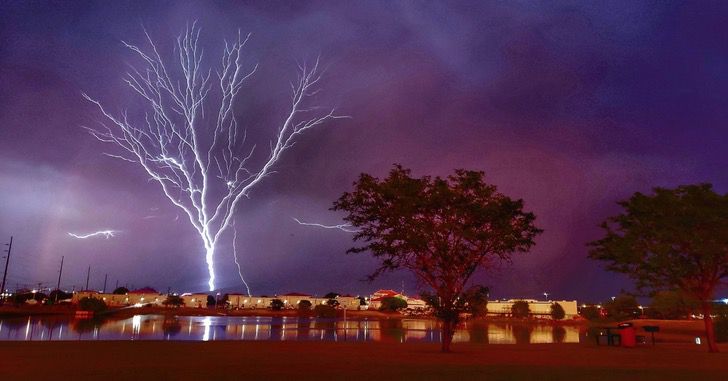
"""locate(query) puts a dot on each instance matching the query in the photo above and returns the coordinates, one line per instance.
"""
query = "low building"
(538, 308)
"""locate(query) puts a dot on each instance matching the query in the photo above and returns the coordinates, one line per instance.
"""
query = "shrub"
(623, 307)
(672, 305)
(520, 309)
(174, 300)
(304, 305)
(121, 291)
(590, 313)
(333, 302)
(392, 304)
(324, 311)
(276, 304)
(91, 304)
(557, 312)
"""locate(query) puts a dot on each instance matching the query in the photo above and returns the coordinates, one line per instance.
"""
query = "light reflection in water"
(210, 328)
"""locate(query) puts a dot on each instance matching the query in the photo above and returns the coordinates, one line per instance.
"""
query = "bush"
(91, 304)
(324, 311)
(58, 295)
(520, 309)
(304, 305)
(333, 302)
(276, 304)
(721, 329)
(476, 298)
(590, 313)
(623, 307)
(392, 304)
(173, 300)
(557, 312)
(121, 291)
(672, 305)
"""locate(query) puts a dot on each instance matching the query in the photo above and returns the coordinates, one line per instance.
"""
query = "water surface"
(208, 328)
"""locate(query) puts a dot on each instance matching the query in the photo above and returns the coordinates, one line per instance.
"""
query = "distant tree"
(520, 309)
(58, 295)
(121, 291)
(623, 307)
(674, 238)
(332, 295)
(362, 300)
(91, 304)
(590, 313)
(557, 311)
(672, 304)
(277, 304)
(173, 300)
(211, 301)
(333, 302)
(304, 305)
(721, 324)
(324, 311)
(392, 304)
(440, 229)
(476, 299)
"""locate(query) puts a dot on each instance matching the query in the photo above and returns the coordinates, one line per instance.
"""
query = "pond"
(207, 328)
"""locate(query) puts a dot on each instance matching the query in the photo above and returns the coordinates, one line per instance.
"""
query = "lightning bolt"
(105, 233)
(191, 161)
(343, 227)
(235, 256)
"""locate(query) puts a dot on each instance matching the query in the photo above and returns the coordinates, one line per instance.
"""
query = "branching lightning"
(105, 233)
(202, 169)
(235, 256)
(343, 227)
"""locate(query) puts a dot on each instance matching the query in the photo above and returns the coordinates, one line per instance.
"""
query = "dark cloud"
(569, 105)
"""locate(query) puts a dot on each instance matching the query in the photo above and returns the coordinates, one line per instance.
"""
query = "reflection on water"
(210, 328)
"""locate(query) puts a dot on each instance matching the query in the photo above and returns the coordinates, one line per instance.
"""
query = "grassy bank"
(156, 360)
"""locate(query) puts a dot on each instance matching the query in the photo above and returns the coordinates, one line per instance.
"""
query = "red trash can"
(628, 335)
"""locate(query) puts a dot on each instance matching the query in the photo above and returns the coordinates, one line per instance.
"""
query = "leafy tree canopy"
(442, 229)
(673, 238)
(520, 309)
(557, 311)
(121, 291)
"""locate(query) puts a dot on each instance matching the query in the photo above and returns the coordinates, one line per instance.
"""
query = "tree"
(673, 238)
(276, 304)
(557, 311)
(57, 295)
(211, 301)
(520, 309)
(174, 300)
(622, 307)
(324, 311)
(121, 291)
(304, 305)
(187, 138)
(333, 303)
(442, 229)
(672, 304)
(590, 312)
(392, 304)
(476, 300)
(91, 304)
(332, 295)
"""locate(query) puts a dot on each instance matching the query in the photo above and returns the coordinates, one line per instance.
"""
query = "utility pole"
(58, 285)
(105, 276)
(5, 274)
(88, 275)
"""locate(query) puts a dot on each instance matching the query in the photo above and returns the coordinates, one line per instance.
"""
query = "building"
(539, 308)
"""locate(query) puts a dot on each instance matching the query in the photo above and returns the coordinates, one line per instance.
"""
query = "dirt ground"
(159, 360)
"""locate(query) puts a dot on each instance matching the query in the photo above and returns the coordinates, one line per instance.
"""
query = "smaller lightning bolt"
(235, 256)
(105, 233)
(343, 227)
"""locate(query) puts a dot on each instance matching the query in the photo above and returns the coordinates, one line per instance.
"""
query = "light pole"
(5, 274)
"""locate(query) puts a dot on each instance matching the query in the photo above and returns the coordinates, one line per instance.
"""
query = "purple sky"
(568, 105)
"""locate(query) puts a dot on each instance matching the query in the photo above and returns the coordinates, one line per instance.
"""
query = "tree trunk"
(448, 330)
(709, 328)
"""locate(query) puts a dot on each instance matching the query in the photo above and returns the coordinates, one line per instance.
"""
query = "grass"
(233, 360)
